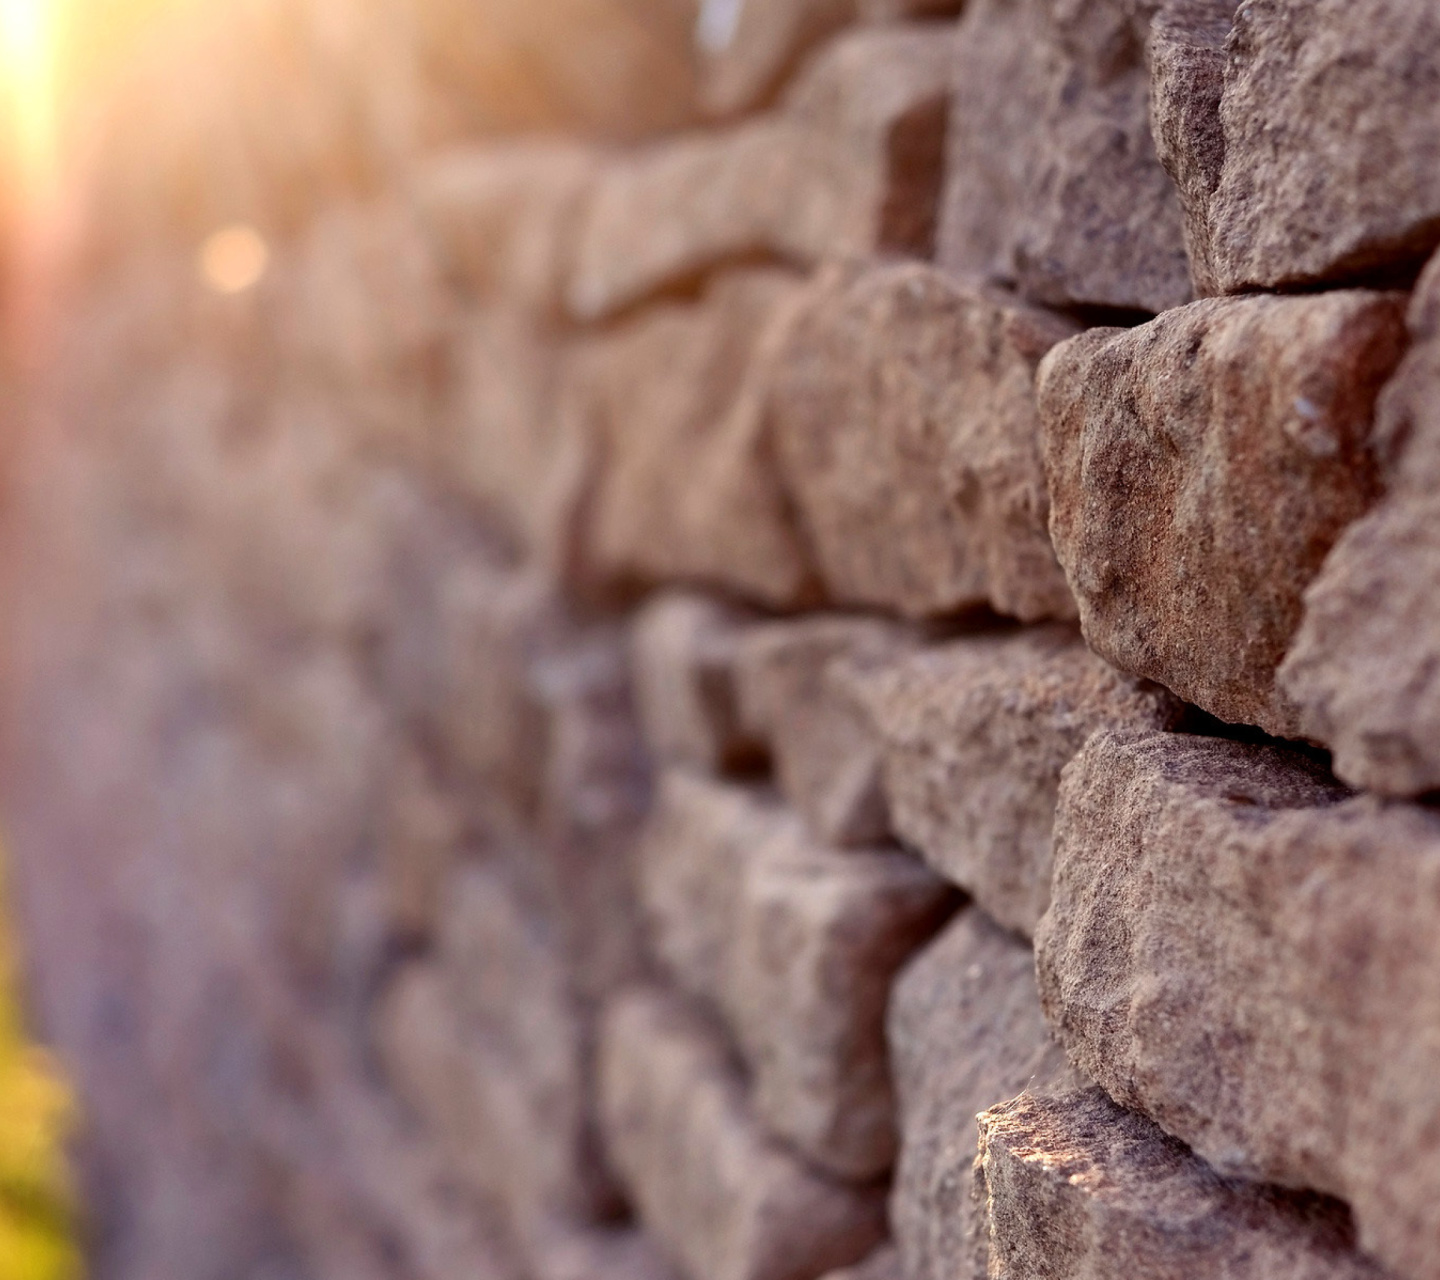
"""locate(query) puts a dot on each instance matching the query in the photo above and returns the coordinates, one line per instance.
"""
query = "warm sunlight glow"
(27, 83)
(233, 259)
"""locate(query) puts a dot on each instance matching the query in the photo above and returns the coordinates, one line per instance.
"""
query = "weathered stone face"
(824, 746)
(1236, 950)
(1075, 1188)
(1200, 468)
(504, 218)
(905, 423)
(965, 1028)
(684, 653)
(747, 48)
(670, 407)
(975, 734)
(796, 945)
(1362, 667)
(495, 1075)
(1052, 183)
(850, 165)
(1311, 167)
(725, 1201)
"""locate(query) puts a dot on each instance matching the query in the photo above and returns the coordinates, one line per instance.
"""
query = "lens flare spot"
(233, 259)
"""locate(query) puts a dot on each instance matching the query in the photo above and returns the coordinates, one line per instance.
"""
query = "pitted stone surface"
(905, 423)
(1363, 666)
(975, 733)
(1052, 182)
(965, 1033)
(824, 746)
(850, 164)
(1075, 1188)
(1324, 172)
(796, 945)
(1248, 957)
(1200, 468)
(725, 1201)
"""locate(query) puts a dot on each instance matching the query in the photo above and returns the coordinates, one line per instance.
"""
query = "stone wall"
(800, 647)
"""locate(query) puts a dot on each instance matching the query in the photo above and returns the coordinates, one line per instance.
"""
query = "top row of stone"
(1120, 154)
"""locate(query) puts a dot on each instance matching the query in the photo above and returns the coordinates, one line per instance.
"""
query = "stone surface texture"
(1362, 667)
(1239, 951)
(1200, 468)
(849, 164)
(550, 547)
(825, 750)
(726, 1202)
(683, 484)
(1319, 178)
(905, 424)
(1076, 1188)
(685, 650)
(795, 945)
(975, 734)
(965, 1030)
(1052, 181)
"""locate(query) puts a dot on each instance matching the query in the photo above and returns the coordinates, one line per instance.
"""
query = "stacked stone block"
(756, 703)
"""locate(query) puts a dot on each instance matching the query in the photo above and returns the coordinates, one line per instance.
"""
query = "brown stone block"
(848, 165)
(905, 422)
(974, 735)
(825, 750)
(796, 945)
(1249, 958)
(1295, 139)
(1075, 1188)
(672, 406)
(965, 1030)
(727, 1202)
(748, 48)
(1200, 468)
(502, 442)
(504, 218)
(1362, 668)
(1052, 182)
(684, 649)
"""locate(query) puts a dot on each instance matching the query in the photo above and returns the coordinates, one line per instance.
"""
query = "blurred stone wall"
(785, 641)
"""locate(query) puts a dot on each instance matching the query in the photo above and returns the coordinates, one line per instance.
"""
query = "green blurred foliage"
(37, 1223)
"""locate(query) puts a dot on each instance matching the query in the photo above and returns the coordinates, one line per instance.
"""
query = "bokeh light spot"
(233, 259)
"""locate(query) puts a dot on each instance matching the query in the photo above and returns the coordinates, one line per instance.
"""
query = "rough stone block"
(672, 404)
(825, 751)
(684, 650)
(1249, 958)
(511, 1125)
(1363, 666)
(965, 1032)
(1200, 467)
(1074, 1187)
(904, 416)
(726, 1202)
(974, 735)
(1052, 182)
(796, 945)
(1296, 140)
(849, 165)
(504, 218)
(501, 440)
